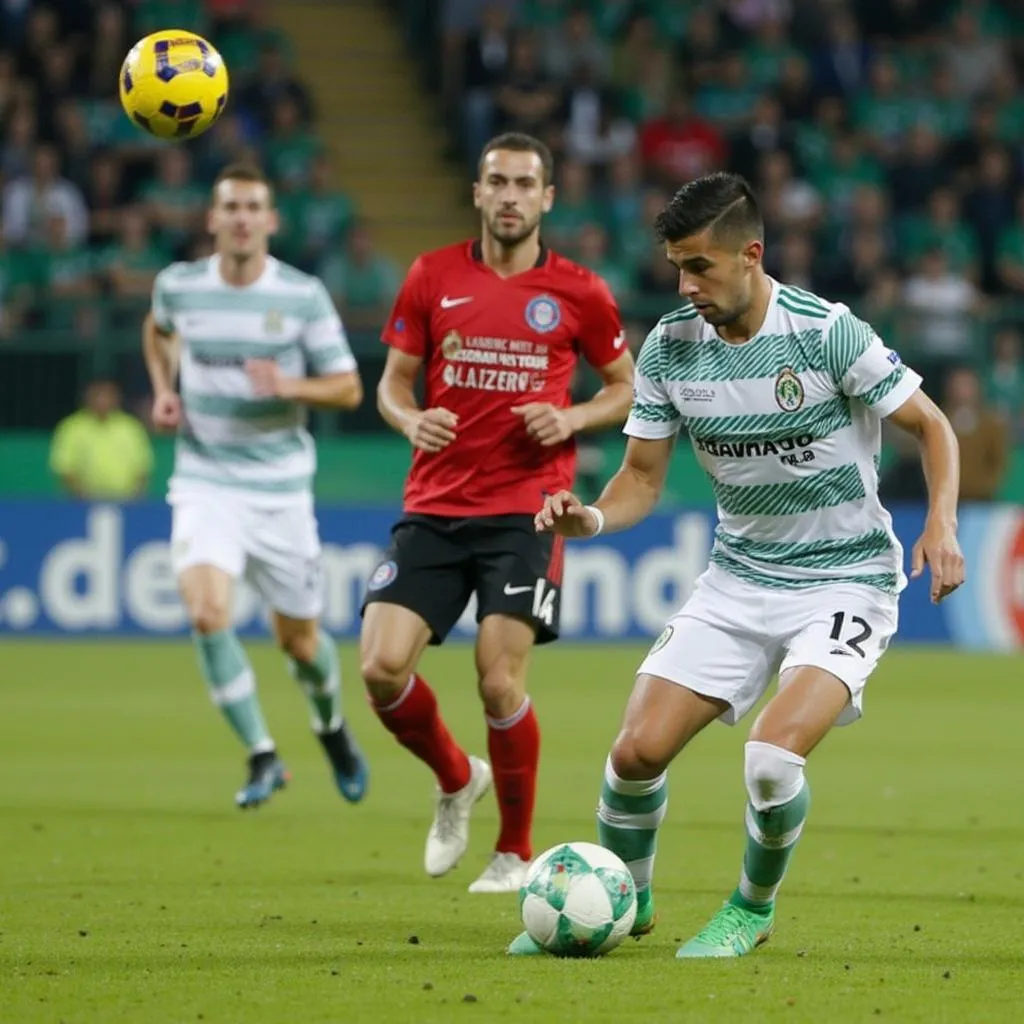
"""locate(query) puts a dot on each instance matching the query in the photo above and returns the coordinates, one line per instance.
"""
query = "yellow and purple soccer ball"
(173, 84)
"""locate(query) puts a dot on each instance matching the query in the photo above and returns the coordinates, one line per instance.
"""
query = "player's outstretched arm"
(630, 496)
(940, 455)
(161, 351)
(430, 430)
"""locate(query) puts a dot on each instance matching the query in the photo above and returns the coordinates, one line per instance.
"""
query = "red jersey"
(491, 343)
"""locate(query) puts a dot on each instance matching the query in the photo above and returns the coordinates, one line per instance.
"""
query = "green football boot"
(523, 945)
(733, 931)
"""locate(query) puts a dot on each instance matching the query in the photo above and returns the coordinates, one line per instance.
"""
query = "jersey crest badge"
(789, 392)
(273, 323)
(452, 345)
(543, 314)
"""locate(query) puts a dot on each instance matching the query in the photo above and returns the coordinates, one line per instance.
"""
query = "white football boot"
(505, 873)
(449, 834)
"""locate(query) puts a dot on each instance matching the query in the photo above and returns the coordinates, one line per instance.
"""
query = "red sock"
(416, 723)
(514, 746)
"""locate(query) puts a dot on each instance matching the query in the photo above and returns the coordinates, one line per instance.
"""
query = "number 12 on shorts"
(853, 642)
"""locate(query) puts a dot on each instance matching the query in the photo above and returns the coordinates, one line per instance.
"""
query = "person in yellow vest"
(102, 453)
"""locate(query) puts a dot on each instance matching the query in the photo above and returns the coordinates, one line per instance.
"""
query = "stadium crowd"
(886, 139)
(92, 207)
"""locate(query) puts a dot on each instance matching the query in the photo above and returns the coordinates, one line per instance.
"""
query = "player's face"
(715, 276)
(511, 195)
(242, 218)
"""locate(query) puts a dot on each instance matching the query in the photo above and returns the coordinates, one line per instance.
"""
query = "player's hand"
(267, 379)
(563, 513)
(432, 430)
(938, 548)
(166, 413)
(545, 423)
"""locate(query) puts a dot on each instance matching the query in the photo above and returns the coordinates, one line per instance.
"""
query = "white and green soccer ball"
(578, 899)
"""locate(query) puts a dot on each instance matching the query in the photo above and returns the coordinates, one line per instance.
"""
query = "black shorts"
(436, 563)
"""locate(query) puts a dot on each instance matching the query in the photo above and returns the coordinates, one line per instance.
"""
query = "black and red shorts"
(436, 563)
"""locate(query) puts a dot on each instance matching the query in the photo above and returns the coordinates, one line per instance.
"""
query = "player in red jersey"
(497, 326)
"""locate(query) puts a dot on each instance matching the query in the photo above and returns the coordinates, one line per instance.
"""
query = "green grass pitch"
(131, 890)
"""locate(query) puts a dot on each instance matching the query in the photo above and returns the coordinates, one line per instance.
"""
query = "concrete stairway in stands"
(380, 129)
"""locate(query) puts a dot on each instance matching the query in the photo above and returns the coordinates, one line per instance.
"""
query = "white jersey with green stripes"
(788, 427)
(229, 436)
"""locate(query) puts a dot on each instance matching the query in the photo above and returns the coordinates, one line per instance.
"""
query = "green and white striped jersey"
(788, 427)
(229, 437)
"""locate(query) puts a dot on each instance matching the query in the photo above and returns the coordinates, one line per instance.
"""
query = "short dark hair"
(244, 172)
(722, 201)
(520, 142)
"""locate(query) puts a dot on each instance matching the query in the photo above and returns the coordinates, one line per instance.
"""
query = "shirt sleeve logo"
(543, 314)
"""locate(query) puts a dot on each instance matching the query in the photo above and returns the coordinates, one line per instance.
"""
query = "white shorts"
(276, 549)
(731, 638)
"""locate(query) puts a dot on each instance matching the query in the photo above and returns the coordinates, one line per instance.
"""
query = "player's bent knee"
(208, 615)
(773, 775)
(633, 756)
(301, 645)
(502, 692)
(385, 672)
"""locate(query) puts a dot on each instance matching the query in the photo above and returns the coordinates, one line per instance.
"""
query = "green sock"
(232, 685)
(628, 817)
(771, 838)
(321, 681)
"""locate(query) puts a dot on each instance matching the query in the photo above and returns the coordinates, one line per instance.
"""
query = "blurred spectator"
(291, 146)
(942, 303)
(765, 133)
(974, 57)
(786, 201)
(30, 203)
(702, 48)
(15, 289)
(527, 98)
(989, 206)
(154, 15)
(919, 170)
(574, 45)
(767, 53)
(795, 261)
(485, 66)
(681, 146)
(983, 435)
(174, 202)
(101, 453)
(842, 64)
(105, 195)
(885, 111)
(19, 143)
(846, 169)
(594, 251)
(575, 205)
(76, 145)
(595, 131)
(228, 141)
(1010, 252)
(362, 281)
(65, 274)
(729, 100)
(132, 264)
(272, 83)
(1004, 380)
(108, 43)
(942, 227)
(41, 35)
(314, 220)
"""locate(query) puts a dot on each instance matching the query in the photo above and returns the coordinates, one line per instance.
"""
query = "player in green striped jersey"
(782, 395)
(256, 342)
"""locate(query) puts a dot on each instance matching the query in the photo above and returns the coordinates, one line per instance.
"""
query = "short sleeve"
(64, 447)
(323, 338)
(408, 327)
(602, 338)
(161, 306)
(865, 368)
(653, 416)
